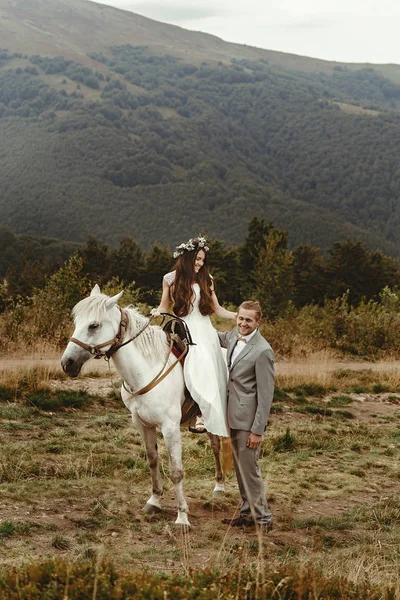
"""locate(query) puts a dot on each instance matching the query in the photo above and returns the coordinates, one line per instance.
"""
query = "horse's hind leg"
(219, 474)
(153, 504)
(172, 438)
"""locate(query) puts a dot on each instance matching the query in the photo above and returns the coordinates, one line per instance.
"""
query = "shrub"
(59, 400)
(285, 442)
(46, 315)
(6, 529)
(370, 330)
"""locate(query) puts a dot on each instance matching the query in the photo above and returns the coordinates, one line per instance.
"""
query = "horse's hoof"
(187, 524)
(182, 519)
(219, 489)
(151, 509)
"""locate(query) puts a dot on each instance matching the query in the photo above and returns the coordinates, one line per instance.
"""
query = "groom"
(250, 392)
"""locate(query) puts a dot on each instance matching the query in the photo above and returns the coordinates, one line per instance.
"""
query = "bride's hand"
(155, 312)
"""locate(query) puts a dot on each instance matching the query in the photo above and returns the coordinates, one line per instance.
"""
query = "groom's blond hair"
(252, 305)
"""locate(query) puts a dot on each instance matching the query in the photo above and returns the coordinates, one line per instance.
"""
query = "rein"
(116, 343)
(160, 375)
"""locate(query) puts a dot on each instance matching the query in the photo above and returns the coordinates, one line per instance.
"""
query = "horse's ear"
(95, 290)
(110, 302)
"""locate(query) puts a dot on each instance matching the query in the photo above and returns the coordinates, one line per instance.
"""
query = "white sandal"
(199, 426)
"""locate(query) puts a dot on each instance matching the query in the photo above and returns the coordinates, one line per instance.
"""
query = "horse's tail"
(227, 456)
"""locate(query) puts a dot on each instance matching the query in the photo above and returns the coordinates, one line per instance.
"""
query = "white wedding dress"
(204, 367)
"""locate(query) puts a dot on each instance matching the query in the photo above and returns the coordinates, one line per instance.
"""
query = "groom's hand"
(253, 441)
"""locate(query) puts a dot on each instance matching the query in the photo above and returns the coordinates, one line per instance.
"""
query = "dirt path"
(282, 366)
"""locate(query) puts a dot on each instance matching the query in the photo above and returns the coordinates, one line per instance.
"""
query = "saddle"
(178, 331)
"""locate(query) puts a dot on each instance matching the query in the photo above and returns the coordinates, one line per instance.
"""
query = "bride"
(190, 288)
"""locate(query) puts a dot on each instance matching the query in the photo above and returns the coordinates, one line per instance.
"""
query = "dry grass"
(326, 369)
(73, 484)
(32, 377)
(316, 368)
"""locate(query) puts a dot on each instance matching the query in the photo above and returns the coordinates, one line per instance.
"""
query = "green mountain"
(115, 125)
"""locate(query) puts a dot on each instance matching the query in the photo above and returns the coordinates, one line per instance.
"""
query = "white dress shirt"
(240, 344)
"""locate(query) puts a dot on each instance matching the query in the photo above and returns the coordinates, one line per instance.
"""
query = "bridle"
(116, 343)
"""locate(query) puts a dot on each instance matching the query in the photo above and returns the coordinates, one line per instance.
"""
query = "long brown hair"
(185, 275)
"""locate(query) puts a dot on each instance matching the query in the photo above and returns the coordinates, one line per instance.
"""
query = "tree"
(257, 235)
(158, 262)
(128, 262)
(225, 268)
(273, 275)
(48, 312)
(351, 266)
(95, 260)
(308, 276)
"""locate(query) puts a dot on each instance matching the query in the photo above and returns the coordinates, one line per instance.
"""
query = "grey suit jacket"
(251, 382)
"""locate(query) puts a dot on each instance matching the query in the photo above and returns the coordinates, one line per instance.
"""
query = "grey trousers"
(251, 485)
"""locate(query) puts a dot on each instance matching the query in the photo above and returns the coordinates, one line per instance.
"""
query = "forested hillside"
(147, 144)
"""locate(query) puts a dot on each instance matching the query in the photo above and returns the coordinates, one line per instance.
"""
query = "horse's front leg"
(219, 474)
(172, 438)
(153, 504)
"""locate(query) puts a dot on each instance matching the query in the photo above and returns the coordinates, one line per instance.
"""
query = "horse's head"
(97, 319)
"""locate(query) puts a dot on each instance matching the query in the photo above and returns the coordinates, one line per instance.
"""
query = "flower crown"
(199, 243)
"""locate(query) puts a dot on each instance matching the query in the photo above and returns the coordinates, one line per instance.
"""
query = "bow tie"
(241, 339)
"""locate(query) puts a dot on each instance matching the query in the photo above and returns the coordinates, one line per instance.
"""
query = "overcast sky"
(342, 30)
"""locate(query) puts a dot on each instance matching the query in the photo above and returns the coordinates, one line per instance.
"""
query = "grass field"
(73, 478)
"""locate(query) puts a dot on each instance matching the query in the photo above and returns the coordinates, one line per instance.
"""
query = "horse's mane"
(152, 341)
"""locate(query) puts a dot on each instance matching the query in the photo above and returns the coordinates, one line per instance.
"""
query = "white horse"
(141, 354)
